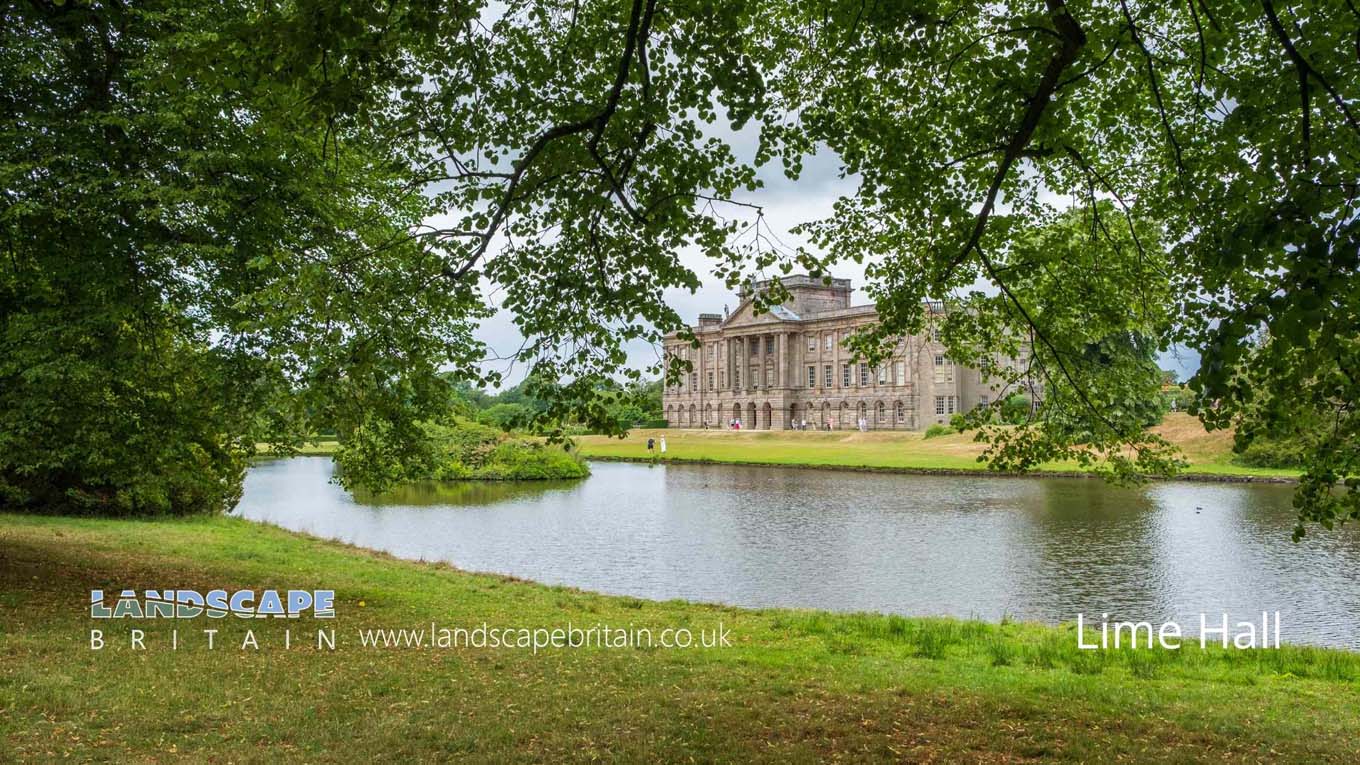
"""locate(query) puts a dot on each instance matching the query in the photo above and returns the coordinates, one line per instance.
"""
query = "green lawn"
(794, 686)
(1208, 453)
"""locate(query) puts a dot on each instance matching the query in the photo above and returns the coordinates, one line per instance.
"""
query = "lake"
(1041, 549)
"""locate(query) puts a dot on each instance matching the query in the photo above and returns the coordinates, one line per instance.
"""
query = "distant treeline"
(636, 405)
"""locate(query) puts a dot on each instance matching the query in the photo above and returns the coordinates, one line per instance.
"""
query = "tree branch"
(1306, 70)
(1156, 85)
(595, 123)
(1073, 39)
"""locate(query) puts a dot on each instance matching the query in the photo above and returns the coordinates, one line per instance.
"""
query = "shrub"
(938, 430)
(505, 416)
(1274, 453)
(1015, 410)
(471, 450)
(103, 420)
(468, 450)
(1179, 399)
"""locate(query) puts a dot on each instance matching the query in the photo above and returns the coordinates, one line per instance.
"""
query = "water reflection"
(430, 493)
(1042, 549)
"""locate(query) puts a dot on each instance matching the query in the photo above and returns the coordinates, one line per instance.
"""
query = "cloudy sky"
(786, 203)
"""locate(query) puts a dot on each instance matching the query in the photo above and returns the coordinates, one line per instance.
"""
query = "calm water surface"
(1028, 548)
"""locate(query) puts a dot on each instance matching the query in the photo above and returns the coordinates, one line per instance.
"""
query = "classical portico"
(787, 366)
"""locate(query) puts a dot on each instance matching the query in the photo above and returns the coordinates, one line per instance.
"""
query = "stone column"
(800, 359)
(731, 346)
(764, 341)
(781, 348)
(735, 354)
(744, 362)
(837, 380)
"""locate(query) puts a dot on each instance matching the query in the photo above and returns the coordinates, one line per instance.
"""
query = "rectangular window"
(935, 334)
(769, 344)
(769, 377)
(812, 377)
(711, 351)
(694, 381)
(710, 381)
(830, 338)
(882, 374)
(722, 378)
(754, 346)
(939, 405)
(900, 372)
(944, 371)
(845, 375)
(755, 377)
(863, 374)
(982, 401)
(952, 401)
(826, 376)
(812, 343)
(736, 378)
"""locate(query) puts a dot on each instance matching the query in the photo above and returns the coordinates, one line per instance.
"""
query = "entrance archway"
(767, 417)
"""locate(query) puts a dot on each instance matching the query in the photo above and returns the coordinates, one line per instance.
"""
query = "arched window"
(901, 413)
(879, 414)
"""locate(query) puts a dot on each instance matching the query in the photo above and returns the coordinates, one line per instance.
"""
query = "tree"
(1225, 129)
(1232, 126)
(505, 416)
(560, 155)
(188, 262)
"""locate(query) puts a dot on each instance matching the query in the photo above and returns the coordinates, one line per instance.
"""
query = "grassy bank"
(793, 686)
(1209, 454)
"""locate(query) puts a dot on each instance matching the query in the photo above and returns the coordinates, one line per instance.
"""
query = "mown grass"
(1209, 454)
(795, 685)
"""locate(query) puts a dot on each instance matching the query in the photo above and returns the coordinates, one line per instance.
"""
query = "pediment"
(745, 315)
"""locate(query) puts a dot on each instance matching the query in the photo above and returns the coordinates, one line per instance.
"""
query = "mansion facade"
(789, 366)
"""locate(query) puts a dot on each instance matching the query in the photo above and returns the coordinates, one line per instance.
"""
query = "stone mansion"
(780, 369)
